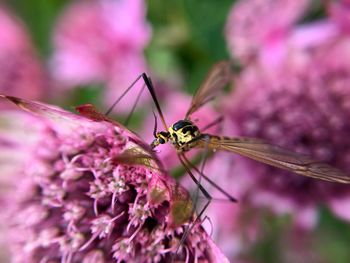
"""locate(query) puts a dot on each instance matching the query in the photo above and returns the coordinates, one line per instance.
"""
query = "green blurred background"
(187, 35)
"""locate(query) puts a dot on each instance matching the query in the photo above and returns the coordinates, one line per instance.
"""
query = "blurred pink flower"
(234, 231)
(101, 42)
(76, 200)
(302, 102)
(260, 27)
(340, 13)
(18, 133)
(20, 70)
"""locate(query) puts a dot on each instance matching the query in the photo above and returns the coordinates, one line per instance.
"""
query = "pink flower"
(301, 103)
(18, 133)
(91, 191)
(259, 27)
(20, 70)
(101, 42)
(339, 12)
(233, 229)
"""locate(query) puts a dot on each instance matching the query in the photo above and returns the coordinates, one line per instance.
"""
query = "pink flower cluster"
(79, 198)
(294, 92)
(94, 42)
(21, 72)
(102, 44)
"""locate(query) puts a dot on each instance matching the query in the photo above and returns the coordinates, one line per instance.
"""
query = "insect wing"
(136, 156)
(62, 119)
(90, 112)
(217, 79)
(276, 156)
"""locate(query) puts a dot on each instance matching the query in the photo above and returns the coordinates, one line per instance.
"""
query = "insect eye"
(161, 140)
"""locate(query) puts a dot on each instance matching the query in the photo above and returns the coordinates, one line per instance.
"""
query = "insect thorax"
(182, 132)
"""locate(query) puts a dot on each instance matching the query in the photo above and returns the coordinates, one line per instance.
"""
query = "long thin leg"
(123, 95)
(205, 193)
(193, 167)
(151, 90)
(211, 224)
(155, 125)
(213, 123)
(200, 188)
(188, 170)
(127, 120)
(202, 162)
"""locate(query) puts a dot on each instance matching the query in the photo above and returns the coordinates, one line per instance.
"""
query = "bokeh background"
(292, 88)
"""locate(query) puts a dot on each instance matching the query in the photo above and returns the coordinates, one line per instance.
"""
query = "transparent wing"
(276, 156)
(217, 79)
(90, 112)
(145, 154)
(136, 156)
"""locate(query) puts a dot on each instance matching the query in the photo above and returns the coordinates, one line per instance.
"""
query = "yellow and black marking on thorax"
(182, 132)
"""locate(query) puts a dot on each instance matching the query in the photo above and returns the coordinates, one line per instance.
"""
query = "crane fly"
(185, 135)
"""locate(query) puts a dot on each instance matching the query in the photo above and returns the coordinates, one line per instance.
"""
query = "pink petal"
(217, 255)
(341, 207)
(20, 69)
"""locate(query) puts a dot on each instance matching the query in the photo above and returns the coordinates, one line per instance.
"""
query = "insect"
(185, 135)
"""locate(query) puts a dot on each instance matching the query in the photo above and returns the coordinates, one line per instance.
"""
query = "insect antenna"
(211, 224)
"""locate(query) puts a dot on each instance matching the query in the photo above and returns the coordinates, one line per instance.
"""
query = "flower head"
(339, 13)
(20, 70)
(91, 191)
(261, 26)
(303, 105)
(103, 43)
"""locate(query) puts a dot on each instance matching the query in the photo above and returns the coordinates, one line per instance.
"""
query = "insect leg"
(151, 89)
(205, 193)
(155, 125)
(123, 95)
(211, 224)
(188, 170)
(202, 162)
(127, 120)
(213, 123)
(230, 197)
(149, 85)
